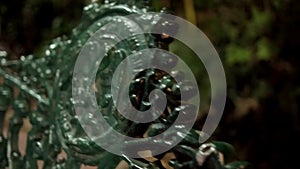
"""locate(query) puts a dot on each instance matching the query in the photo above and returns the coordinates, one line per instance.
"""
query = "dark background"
(257, 40)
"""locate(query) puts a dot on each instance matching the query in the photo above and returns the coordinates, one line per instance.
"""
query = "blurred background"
(257, 42)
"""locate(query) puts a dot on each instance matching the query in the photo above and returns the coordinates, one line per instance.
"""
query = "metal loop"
(207, 149)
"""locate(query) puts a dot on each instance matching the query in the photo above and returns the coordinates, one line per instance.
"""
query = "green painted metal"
(47, 80)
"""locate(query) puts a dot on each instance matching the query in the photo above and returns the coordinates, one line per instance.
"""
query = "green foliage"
(237, 54)
(264, 50)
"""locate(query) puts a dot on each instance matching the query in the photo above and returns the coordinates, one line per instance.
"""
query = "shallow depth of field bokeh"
(257, 42)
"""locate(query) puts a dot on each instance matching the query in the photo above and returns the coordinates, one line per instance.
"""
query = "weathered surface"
(38, 88)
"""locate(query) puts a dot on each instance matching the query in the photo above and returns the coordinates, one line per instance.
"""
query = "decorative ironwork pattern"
(39, 88)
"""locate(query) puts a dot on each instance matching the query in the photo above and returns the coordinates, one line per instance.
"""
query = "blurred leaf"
(264, 49)
(237, 54)
(259, 23)
(261, 19)
(232, 31)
